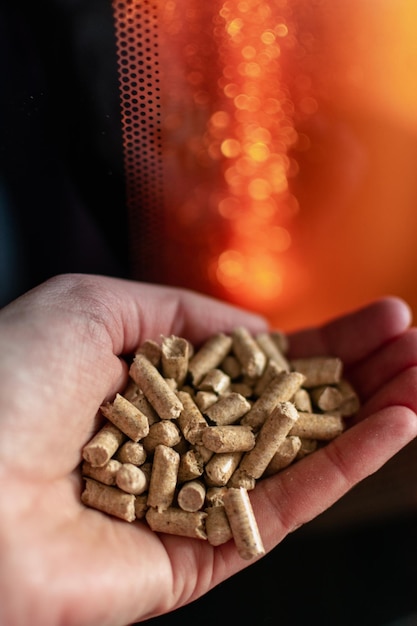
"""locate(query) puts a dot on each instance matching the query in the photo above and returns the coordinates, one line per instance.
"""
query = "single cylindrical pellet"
(273, 432)
(191, 466)
(210, 355)
(220, 468)
(270, 348)
(318, 426)
(164, 432)
(243, 523)
(284, 455)
(131, 479)
(248, 353)
(204, 399)
(240, 478)
(326, 397)
(191, 496)
(302, 400)
(318, 370)
(105, 474)
(175, 353)
(280, 389)
(99, 450)
(191, 421)
(350, 400)
(139, 400)
(232, 438)
(155, 387)
(231, 366)
(217, 526)
(163, 477)
(110, 500)
(228, 409)
(127, 417)
(271, 371)
(152, 351)
(175, 521)
(215, 380)
(131, 452)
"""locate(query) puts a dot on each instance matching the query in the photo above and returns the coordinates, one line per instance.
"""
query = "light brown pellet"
(105, 474)
(191, 495)
(209, 356)
(231, 366)
(131, 452)
(271, 371)
(228, 409)
(175, 521)
(302, 400)
(319, 370)
(204, 399)
(243, 523)
(156, 389)
(229, 438)
(163, 477)
(250, 356)
(131, 479)
(110, 500)
(215, 380)
(240, 478)
(191, 466)
(214, 496)
(284, 456)
(217, 525)
(191, 421)
(128, 418)
(164, 432)
(137, 398)
(220, 468)
(281, 389)
(326, 397)
(273, 432)
(318, 426)
(152, 350)
(175, 352)
(99, 450)
(274, 354)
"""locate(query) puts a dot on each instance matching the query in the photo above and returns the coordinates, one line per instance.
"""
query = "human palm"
(62, 349)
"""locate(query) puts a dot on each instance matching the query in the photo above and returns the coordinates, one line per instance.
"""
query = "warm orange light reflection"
(287, 135)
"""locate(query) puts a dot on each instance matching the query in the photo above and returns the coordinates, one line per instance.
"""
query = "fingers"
(400, 391)
(383, 365)
(131, 312)
(356, 335)
(305, 490)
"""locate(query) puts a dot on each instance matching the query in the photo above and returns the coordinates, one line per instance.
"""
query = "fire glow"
(231, 111)
(217, 98)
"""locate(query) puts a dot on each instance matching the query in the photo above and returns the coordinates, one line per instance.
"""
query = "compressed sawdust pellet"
(197, 427)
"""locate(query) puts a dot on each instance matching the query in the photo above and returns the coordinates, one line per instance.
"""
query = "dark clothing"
(62, 202)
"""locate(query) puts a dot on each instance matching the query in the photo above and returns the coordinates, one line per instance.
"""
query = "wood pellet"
(196, 428)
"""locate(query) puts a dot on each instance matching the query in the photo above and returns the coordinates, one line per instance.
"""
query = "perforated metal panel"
(136, 23)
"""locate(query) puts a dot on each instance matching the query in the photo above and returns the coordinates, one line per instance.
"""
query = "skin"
(61, 356)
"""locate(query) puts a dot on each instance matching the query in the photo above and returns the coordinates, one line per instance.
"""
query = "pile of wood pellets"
(195, 429)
